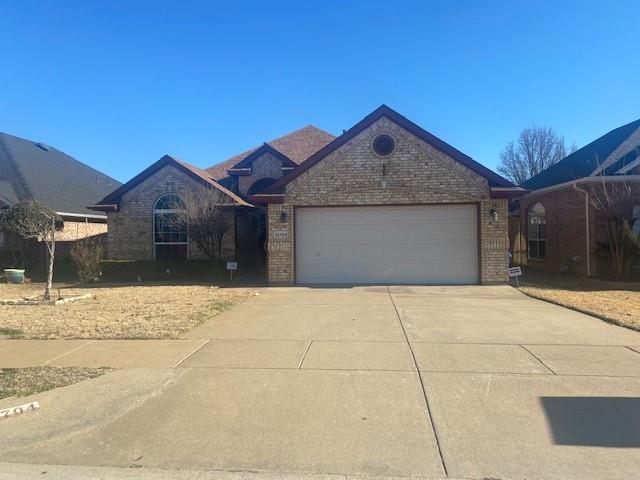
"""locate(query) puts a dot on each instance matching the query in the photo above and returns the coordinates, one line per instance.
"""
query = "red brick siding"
(566, 231)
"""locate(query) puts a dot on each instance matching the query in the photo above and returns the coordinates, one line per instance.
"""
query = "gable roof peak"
(112, 201)
(247, 161)
(383, 110)
(297, 146)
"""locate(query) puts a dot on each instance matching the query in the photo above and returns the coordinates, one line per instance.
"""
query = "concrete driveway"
(458, 382)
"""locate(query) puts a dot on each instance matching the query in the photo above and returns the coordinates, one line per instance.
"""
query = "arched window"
(169, 233)
(260, 185)
(536, 231)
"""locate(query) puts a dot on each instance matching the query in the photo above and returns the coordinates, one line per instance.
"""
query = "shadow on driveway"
(594, 421)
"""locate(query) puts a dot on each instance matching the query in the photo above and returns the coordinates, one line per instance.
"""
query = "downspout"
(586, 221)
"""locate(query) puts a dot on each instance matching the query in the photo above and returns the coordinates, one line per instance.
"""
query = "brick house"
(134, 219)
(35, 171)
(385, 202)
(137, 213)
(557, 226)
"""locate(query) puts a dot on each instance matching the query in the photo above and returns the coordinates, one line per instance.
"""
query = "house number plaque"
(280, 234)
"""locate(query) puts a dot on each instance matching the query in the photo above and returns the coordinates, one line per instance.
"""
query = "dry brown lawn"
(116, 311)
(9, 291)
(615, 302)
(22, 382)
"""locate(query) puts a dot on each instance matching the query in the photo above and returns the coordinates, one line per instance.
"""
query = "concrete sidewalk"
(96, 353)
(436, 382)
(25, 471)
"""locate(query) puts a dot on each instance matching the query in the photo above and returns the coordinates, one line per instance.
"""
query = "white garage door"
(387, 245)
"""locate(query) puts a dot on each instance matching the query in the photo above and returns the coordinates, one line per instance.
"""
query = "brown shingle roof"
(297, 145)
(206, 176)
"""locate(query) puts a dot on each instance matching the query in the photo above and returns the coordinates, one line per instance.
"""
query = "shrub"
(162, 270)
(86, 255)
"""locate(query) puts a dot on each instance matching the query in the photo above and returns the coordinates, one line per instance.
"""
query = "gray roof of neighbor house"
(297, 146)
(590, 159)
(34, 171)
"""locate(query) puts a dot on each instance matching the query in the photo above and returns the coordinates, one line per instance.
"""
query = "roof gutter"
(508, 192)
(82, 215)
(584, 181)
(104, 208)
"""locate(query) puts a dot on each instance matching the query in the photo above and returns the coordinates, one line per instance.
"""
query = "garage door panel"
(449, 214)
(445, 253)
(414, 244)
(371, 234)
(377, 274)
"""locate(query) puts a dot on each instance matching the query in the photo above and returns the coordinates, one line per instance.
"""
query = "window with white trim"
(536, 231)
(169, 234)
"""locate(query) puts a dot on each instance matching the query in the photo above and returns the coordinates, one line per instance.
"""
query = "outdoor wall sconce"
(493, 212)
(284, 218)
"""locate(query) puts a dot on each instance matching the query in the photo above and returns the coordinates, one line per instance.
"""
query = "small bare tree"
(208, 220)
(610, 200)
(33, 220)
(536, 150)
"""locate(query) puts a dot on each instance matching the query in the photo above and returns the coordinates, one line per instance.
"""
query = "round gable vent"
(383, 145)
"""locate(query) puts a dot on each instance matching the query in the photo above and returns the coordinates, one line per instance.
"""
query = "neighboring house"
(557, 227)
(34, 171)
(385, 202)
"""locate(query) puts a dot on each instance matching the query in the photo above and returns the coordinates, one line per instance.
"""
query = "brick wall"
(415, 173)
(130, 233)
(494, 241)
(265, 166)
(281, 253)
(565, 232)
(74, 230)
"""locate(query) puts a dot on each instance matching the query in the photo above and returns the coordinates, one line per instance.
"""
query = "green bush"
(161, 270)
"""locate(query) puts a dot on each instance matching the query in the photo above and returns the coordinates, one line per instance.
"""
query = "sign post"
(515, 272)
(231, 266)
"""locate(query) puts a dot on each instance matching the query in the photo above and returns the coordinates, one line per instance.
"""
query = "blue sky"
(117, 84)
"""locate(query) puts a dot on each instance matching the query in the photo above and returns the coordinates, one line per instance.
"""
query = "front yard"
(22, 382)
(615, 302)
(116, 311)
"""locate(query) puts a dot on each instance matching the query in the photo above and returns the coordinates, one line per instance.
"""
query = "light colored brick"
(415, 173)
(265, 166)
(130, 235)
(73, 230)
